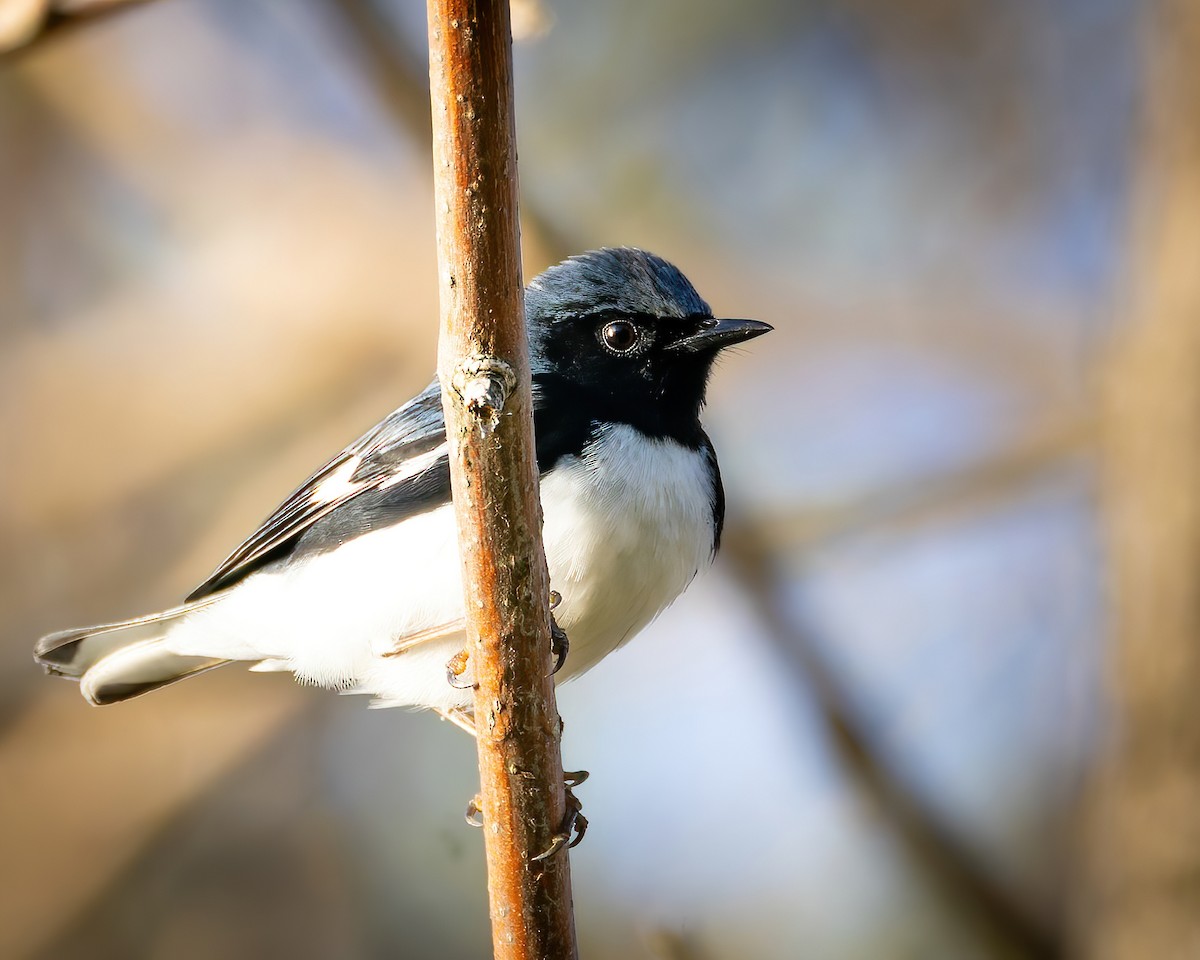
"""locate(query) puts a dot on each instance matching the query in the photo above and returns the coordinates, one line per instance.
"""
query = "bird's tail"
(117, 661)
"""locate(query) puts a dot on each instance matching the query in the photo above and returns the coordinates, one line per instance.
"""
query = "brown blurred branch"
(944, 856)
(400, 82)
(483, 363)
(50, 749)
(401, 85)
(24, 23)
(86, 828)
(1142, 863)
(663, 944)
(970, 489)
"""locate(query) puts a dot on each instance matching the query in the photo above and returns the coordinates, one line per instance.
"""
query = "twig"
(1138, 890)
(973, 488)
(400, 85)
(663, 944)
(398, 78)
(945, 856)
(484, 369)
(25, 23)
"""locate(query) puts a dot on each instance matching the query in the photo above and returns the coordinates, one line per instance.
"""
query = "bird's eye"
(620, 336)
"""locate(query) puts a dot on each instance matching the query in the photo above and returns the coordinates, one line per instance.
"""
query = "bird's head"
(623, 336)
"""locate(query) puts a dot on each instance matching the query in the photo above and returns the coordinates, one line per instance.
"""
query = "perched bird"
(354, 581)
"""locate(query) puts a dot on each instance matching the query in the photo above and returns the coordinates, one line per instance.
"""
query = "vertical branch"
(1144, 834)
(484, 369)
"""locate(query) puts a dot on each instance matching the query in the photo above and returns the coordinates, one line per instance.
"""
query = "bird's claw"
(456, 666)
(574, 824)
(559, 645)
(474, 813)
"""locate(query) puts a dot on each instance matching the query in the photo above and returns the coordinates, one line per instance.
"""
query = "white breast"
(627, 527)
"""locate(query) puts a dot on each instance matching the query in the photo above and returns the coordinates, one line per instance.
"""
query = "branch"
(943, 855)
(972, 489)
(399, 82)
(484, 369)
(24, 22)
(1139, 892)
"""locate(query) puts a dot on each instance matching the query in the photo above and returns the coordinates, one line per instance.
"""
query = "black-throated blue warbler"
(354, 581)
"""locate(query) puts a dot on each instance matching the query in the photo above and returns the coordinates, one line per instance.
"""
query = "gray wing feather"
(392, 454)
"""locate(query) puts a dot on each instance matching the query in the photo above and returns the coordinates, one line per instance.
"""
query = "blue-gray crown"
(622, 279)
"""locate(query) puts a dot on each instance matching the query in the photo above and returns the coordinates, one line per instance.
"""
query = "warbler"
(354, 583)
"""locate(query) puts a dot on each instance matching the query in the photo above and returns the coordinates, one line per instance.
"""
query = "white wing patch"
(338, 484)
(415, 465)
(341, 483)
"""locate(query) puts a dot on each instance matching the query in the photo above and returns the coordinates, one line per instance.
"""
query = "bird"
(353, 583)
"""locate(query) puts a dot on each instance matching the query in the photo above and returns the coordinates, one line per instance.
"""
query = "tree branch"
(938, 851)
(971, 490)
(484, 369)
(399, 83)
(1139, 891)
(26, 22)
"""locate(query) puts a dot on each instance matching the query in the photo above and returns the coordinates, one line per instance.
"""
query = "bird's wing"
(394, 455)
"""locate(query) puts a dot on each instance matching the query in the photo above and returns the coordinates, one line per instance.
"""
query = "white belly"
(627, 527)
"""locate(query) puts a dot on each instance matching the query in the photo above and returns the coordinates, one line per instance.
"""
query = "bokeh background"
(875, 729)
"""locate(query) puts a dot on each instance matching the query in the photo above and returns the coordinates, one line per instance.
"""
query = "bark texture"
(484, 370)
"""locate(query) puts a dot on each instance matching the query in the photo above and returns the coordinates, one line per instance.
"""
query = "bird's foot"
(574, 824)
(559, 644)
(456, 666)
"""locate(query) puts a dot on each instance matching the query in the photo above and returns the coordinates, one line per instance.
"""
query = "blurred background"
(899, 718)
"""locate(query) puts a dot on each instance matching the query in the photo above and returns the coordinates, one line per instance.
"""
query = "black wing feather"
(380, 455)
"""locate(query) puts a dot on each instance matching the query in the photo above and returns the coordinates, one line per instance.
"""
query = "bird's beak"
(715, 334)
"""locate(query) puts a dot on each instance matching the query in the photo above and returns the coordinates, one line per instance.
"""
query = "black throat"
(567, 415)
